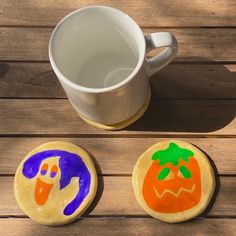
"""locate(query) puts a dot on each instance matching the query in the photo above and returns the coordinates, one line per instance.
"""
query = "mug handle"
(157, 40)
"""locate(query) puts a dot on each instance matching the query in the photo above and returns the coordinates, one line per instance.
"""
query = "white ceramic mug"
(99, 55)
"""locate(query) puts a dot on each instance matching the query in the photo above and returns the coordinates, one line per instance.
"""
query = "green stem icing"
(185, 172)
(172, 154)
(164, 172)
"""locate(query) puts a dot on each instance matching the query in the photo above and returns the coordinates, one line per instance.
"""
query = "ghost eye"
(44, 169)
(185, 172)
(54, 171)
(163, 173)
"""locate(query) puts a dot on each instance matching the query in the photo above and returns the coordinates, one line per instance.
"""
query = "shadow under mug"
(99, 56)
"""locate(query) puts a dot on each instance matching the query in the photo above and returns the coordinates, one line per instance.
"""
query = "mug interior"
(97, 47)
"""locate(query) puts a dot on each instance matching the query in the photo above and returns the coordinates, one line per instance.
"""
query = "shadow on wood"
(194, 81)
(185, 115)
(217, 185)
(3, 69)
(100, 187)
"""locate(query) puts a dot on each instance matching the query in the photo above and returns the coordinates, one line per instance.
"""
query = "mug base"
(123, 124)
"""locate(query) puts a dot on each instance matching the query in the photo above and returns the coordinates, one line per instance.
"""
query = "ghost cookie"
(173, 181)
(55, 183)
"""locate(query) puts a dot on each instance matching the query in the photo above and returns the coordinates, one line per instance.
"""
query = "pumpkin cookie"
(173, 181)
(55, 183)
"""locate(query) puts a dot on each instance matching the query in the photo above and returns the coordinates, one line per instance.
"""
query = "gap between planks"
(141, 26)
(120, 216)
(123, 175)
(114, 135)
(153, 99)
(182, 62)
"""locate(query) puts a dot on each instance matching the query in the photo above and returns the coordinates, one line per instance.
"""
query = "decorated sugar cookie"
(173, 181)
(55, 183)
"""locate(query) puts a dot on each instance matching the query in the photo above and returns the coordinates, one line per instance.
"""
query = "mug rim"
(70, 83)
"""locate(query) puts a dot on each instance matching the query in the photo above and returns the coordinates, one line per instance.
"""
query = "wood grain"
(29, 80)
(164, 117)
(194, 81)
(194, 97)
(194, 44)
(113, 226)
(117, 156)
(117, 198)
(37, 80)
(146, 13)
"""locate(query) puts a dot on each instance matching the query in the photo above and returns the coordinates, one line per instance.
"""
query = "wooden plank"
(116, 197)
(113, 226)
(195, 81)
(24, 43)
(117, 156)
(120, 226)
(29, 80)
(194, 44)
(146, 13)
(164, 117)
(37, 80)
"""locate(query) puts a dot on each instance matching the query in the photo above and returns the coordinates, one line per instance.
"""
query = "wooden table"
(192, 99)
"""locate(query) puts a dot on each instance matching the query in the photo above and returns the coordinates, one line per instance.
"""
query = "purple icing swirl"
(71, 165)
